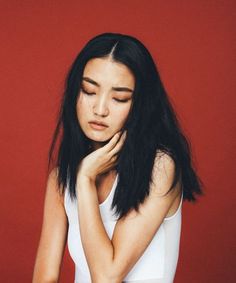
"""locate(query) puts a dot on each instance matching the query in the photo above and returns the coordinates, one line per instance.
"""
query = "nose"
(100, 108)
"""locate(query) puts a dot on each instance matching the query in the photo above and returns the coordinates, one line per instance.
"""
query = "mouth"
(98, 126)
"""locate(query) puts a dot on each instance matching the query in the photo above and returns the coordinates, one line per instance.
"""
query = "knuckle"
(113, 158)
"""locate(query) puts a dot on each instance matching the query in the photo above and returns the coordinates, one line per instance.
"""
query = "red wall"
(193, 43)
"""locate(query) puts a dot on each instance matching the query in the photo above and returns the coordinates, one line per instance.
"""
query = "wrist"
(83, 179)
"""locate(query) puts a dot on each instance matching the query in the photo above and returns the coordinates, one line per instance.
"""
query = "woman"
(123, 154)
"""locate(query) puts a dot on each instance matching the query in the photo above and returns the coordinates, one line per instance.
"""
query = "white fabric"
(156, 265)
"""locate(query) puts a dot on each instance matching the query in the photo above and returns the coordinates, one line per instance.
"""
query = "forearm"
(97, 245)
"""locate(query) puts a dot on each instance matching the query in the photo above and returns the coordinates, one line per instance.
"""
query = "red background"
(193, 43)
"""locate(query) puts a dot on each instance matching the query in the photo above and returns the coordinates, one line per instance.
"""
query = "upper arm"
(146, 223)
(53, 235)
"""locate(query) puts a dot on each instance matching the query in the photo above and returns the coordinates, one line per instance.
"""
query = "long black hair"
(151, 126)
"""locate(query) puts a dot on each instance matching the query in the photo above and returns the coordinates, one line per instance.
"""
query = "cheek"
(82, 105)
(122, 114)
(80, 110)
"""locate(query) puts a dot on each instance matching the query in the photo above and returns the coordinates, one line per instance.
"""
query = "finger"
(111, 144)
(112, 162)
(114, 158)
(119, 144)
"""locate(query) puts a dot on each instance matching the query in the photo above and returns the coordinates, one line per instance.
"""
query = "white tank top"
(158, 262)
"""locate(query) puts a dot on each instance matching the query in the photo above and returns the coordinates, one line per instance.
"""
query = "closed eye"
(116, 99)
(121, 100)
(86, 92)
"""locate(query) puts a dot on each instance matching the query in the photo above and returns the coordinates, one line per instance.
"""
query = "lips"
(98, 123)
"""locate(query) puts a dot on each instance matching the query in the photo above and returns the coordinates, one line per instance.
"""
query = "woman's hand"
(102, 159)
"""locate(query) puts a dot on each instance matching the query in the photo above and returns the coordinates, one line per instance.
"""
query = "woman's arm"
(53, 236)
(111, 260)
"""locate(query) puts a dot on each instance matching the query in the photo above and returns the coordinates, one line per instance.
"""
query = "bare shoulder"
(163, 175)
(52, 186)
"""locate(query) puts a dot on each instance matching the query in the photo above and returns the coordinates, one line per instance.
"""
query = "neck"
(97, 145)
(109, 174)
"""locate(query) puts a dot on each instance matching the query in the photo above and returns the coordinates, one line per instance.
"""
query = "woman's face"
(106, 97)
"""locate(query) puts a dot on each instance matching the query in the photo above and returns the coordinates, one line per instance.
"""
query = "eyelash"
(118, 100)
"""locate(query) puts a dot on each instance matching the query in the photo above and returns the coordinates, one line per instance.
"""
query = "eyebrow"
(87, 79)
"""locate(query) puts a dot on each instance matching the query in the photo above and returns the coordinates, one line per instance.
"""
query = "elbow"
(103, 279)
(42, 274)
(106, 277)
(107, 273)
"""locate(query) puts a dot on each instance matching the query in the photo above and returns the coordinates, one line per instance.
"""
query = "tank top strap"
(109, 198)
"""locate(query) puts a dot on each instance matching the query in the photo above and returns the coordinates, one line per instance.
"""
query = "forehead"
(106, 71)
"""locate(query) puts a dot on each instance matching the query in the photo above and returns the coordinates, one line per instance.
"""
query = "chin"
(99, 137)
